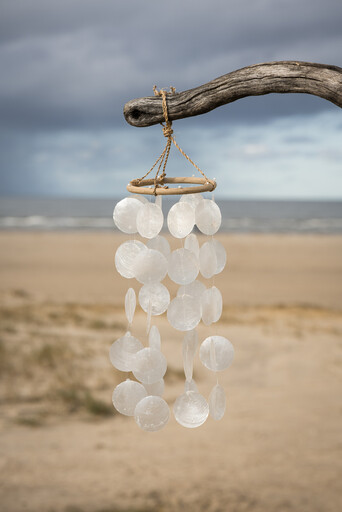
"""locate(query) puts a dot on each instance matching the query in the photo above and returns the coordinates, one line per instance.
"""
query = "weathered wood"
(142, 186)
(271, 77)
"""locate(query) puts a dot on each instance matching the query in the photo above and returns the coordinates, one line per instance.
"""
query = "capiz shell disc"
(156, 389)
(130, 304)
(127, 395)
(191, 409)
(208, 217)
(195, 289)
(125, 214)
(207, 260)
(217, 402)
(149, 365)
(191, 243)
(149, 220)
(150, 266)
(183, 266)
(211, 303)
(216, 353)
(122, 352)
(221, 255)
(184, 312)
(154, 339)
(159, 243)
(180, 220)
(125, 257)
(157, 294)
(152, 413)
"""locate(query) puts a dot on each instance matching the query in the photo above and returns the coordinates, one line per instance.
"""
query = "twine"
(163, 158)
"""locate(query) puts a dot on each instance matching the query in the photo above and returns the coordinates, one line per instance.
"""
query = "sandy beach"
(64, 449)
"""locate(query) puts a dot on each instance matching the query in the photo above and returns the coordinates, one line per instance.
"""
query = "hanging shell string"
(163, 158)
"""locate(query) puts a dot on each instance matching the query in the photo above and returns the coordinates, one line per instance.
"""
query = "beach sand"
(63, 448)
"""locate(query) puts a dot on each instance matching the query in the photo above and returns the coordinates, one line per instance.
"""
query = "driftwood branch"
(272, 77)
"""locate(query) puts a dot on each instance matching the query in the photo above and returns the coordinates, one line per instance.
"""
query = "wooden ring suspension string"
(159, 184)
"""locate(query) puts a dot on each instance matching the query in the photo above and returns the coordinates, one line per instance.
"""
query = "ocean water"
(238, 216)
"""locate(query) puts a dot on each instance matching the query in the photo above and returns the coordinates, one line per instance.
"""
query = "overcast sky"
(68, 67)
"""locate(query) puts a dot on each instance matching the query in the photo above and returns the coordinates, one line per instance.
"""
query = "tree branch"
(271, 77)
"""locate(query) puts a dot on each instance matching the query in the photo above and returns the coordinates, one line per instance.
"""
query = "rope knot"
(167, 130)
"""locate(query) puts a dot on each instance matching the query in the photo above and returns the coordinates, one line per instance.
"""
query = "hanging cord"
(163, 158)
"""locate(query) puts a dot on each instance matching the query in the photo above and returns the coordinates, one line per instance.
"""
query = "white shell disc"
(125, 214)
(190, 386)
(159, 243)
(192, 199)
(150, 267)
(190, 342)
(152, 413)
(221, 255)
(122, 352)
(195, 289)
(191, 243)
(216, 353)
(127, 395)
(181, 220)
(125, 257)
(130, 305)
(159, 296)
(149, 220)
(140, 198)
(208, 217)
(191, 409)
(217, 402)
(155, 389)
(183, 266)
(211, 302)
(149, 365)
(154, 339)
(207, 260)
(184, 313)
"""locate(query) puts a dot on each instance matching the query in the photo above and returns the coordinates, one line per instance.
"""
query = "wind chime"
(149, 262)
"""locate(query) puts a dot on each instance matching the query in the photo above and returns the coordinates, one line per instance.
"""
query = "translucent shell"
(150, 267)
(159, 243)
(125, 214)
(191, 409)
(181, 220)
(190, 342)
(221, 255)
(190, 386)
(149, 365)
(122, 352)
(154, 338)
(191, 243)
(192, 199)
(183, 266)
(208, 217)
(127, 395)
(195, 289)
(217, 402)
(157, 294)
(140, 198)
(216, 353)
(184, 313)
(149, 220)
(211, 303)
(125, 257)
(152, 413)
(207, 260)
(130, 305)
(156, 389)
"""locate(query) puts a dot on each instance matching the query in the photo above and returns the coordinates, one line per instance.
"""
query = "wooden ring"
(142, 186)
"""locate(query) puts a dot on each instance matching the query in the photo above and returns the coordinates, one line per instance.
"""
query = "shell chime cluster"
(149, 263)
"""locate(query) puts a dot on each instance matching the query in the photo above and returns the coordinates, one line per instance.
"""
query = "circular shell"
(191, 409)
(195, 289)
(159, 243)
(192, 199)
(211, 303)
(149, 365)
(122, 352)
(157, 294)
(155, 389)
(127, 395)
(125, 214)
(152, 413)
(125, 257)
(149, 220)
(184, 313)
(217, 402)
(154, 339)
(221, 255)
(191, 243)
(208, 217)
(207, 260)
(183, 266)
(150, 267)
(181, 220)
(216, 353)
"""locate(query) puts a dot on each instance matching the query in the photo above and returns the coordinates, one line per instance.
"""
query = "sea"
(238, 216)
